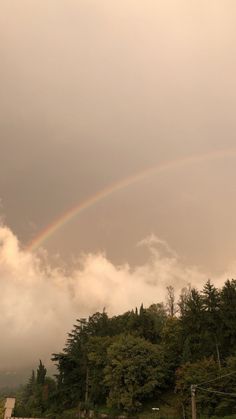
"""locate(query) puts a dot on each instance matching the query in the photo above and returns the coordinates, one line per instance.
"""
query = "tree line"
(130, 360)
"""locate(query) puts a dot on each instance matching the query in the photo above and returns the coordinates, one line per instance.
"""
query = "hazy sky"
(94, 91)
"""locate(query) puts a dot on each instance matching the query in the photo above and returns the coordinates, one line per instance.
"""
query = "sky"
(94, 93)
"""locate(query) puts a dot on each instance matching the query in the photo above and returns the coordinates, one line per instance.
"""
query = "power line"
(217, 392)
(217, 378)
(197, 386)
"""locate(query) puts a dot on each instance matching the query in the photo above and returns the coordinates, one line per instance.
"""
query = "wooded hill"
(144, 357)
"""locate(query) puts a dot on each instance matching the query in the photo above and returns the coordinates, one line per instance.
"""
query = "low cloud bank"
(39, 304)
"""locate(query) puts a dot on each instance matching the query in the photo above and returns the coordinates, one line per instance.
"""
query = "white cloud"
(39, 304)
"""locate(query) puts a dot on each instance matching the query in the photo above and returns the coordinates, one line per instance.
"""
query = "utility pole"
(193, 399)
(87, 385)
(218, 354)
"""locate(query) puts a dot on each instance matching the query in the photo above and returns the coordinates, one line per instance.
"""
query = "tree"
(196, 373)
(228, 316)
(37, 395)
(183, 298)
(171, 348)
(134, 372)
(73, 364)
(41, 373)
(171, 306)
(210, 386)
(212, 324)
(30, 386)
(192, 322)
(97, 361)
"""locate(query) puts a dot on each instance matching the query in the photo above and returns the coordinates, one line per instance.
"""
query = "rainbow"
(68, 215)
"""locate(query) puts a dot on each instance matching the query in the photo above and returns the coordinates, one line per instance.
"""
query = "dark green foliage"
(171, 348)
(196, 373)
(228, 315)
(210, 387)
(37, 396)
(97, 361)
(137, 357)
(134, 372)
(30, 387)
(41, 373)
(212, 322)
(192, 322)
(208, 320)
